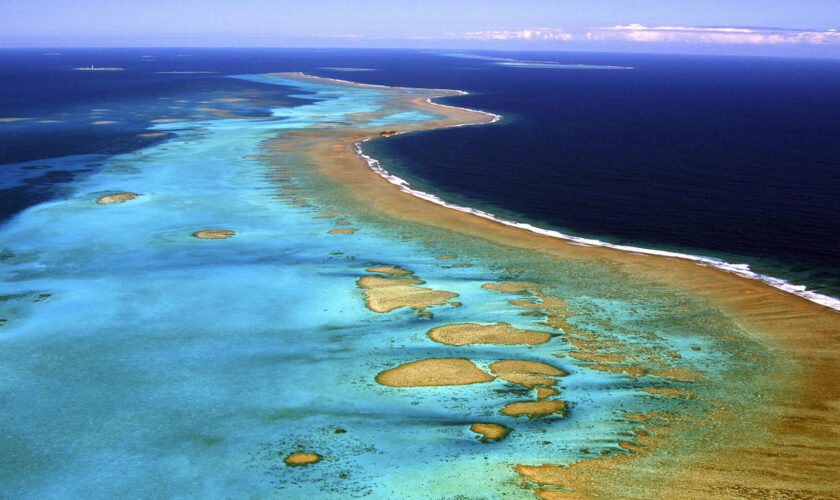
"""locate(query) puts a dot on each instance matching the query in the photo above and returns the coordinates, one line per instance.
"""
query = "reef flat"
(391, 358)
(766, 315)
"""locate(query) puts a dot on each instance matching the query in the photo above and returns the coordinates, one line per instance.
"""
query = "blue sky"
(772, 27)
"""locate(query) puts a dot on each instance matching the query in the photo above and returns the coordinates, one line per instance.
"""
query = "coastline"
(805, 331)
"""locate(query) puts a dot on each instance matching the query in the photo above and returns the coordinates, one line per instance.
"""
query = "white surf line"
(742, 270)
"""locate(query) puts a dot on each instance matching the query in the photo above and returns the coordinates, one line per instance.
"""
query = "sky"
(765, 27)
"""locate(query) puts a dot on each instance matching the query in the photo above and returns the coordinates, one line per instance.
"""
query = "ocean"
(732, 158)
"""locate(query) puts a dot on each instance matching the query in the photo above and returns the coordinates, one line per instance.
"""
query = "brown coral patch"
(670, 392)
(514, 286)
(598, 358)
(679, 373)
(634, 371)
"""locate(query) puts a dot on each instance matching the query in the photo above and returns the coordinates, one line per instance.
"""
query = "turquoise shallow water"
(137, 360)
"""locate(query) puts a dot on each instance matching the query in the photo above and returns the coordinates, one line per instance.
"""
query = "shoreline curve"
(742, 270)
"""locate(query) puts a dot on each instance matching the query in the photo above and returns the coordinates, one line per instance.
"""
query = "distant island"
(347, 69)
(94, 68)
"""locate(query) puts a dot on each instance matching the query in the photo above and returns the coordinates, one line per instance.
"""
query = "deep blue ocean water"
(736, 158)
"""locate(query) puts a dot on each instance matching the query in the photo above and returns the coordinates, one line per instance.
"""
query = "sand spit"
(474, 333)
(214, 234)
(342, 230)
(116, 198)
(434, 372)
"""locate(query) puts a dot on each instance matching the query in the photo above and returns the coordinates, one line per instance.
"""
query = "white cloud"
(347, 36)
(730, 35)
(528, 34)
(533, 34)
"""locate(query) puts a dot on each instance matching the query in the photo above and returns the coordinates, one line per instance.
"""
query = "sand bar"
(474, 333)
(534, 408)
(116, 198)
(214, 234)
(434, 372)
(527, 373)
(490, 431)
(297, 459)
(386, 294)
(391, 271)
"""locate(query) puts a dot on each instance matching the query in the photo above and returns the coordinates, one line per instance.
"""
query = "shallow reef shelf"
(216, 317)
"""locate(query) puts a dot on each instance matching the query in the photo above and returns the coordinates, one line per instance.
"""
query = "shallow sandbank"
(297, 459)
(116, 198)
(386, 294)
(534, 408)
(214, 234)
(527, 373)
(392, 271)
(492, 432)
(473, 333)
(434, 372)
